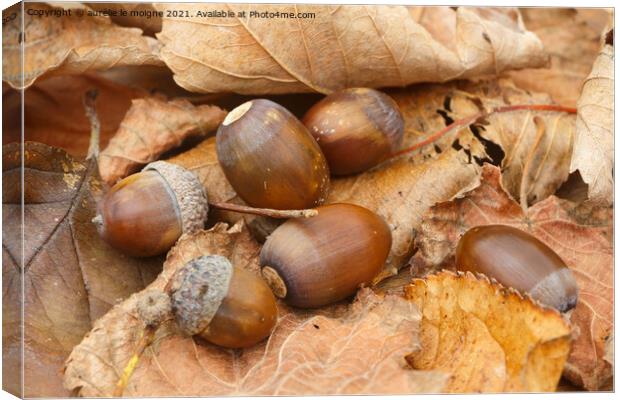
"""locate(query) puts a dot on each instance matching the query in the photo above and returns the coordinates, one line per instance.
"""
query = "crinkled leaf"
(71, 277)
(593, 154)
(488, 338)
(59, 43)
(54, 111)
(341, 46)
(151, 127)
(342, 349)
(571, 36)
(585, 248)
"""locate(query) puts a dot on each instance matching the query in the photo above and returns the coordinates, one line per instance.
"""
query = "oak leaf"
(54, 111)
(593, 154)
(487, 337)
(571, 36)
(63, 41)
(70, 276)
(585, 248)
(343, 349)
(339, 46)
(151, 127)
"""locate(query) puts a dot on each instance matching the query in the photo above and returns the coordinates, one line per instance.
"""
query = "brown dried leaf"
(402, 190)
(488, 338)
(58, 43)
(339, 350)
(54, 111)
(342, 46)
(593, 154)
(585, 248)
(151, 127)
(571, 36)
(71, 277)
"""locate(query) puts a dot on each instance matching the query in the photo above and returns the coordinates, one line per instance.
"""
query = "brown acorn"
(270, 159)
(312, 262)
(225, 305)
(356, 128)
(519, 260)
(145, 213)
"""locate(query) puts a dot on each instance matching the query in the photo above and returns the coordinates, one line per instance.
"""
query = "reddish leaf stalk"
(463, 122)
(265, 212)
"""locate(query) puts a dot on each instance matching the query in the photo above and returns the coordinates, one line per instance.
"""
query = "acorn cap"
(189, 192)
(197, 291)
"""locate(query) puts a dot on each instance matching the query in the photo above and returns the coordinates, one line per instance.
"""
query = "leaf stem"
(95, 126)
(463, 122)
(265, 212)
(145, 340)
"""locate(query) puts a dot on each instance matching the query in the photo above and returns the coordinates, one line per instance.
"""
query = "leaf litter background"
(536, 151)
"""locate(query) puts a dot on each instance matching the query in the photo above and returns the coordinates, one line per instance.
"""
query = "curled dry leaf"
(339, 47)
(585, 247)
(593, 154)
(338, 350)
(571, 36)
(54, 111)
(61, 41)
(488, 338)
(70, 276)
(151, 127)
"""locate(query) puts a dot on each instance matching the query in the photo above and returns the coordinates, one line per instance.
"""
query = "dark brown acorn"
(312, 262)
(356, 128)
(145, 213)
(223, 304)
(519, 260)
(270, 159)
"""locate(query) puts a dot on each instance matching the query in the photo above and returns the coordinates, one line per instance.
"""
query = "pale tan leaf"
(571, 36)
(593, 153)
(488, 338)
(68, 40)
(343, 349)
(151, 127)
(584, 246)
(340, 46)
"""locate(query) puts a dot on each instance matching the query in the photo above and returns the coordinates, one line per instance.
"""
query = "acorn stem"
(265, 212)
(463, 122)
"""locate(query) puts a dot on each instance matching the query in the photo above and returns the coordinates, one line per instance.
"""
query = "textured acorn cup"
(519, 260)
(145, 213)
(356, 129)
(270, 159)
(312, 262)
(225, 305)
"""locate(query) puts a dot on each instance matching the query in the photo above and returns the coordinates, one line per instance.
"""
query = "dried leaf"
(54, 112)
(488, 338)
(339, 350)
(71, 277)
(571, 36)
(151, 127)
(137, 15)
(593, 154)
(341, 46)
(586, 250)
(402, 190)
(68, 40)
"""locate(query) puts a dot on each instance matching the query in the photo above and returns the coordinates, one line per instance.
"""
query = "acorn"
(356, 128)
(270, 159)
(225, 305)
(312, 262)
(145, 213)
(519, 260)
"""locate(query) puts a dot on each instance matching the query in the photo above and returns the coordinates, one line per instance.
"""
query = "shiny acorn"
(145, 213)
(223, 304)
(519, 260)
(270, 159)
(356, 128)
(312, 262)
